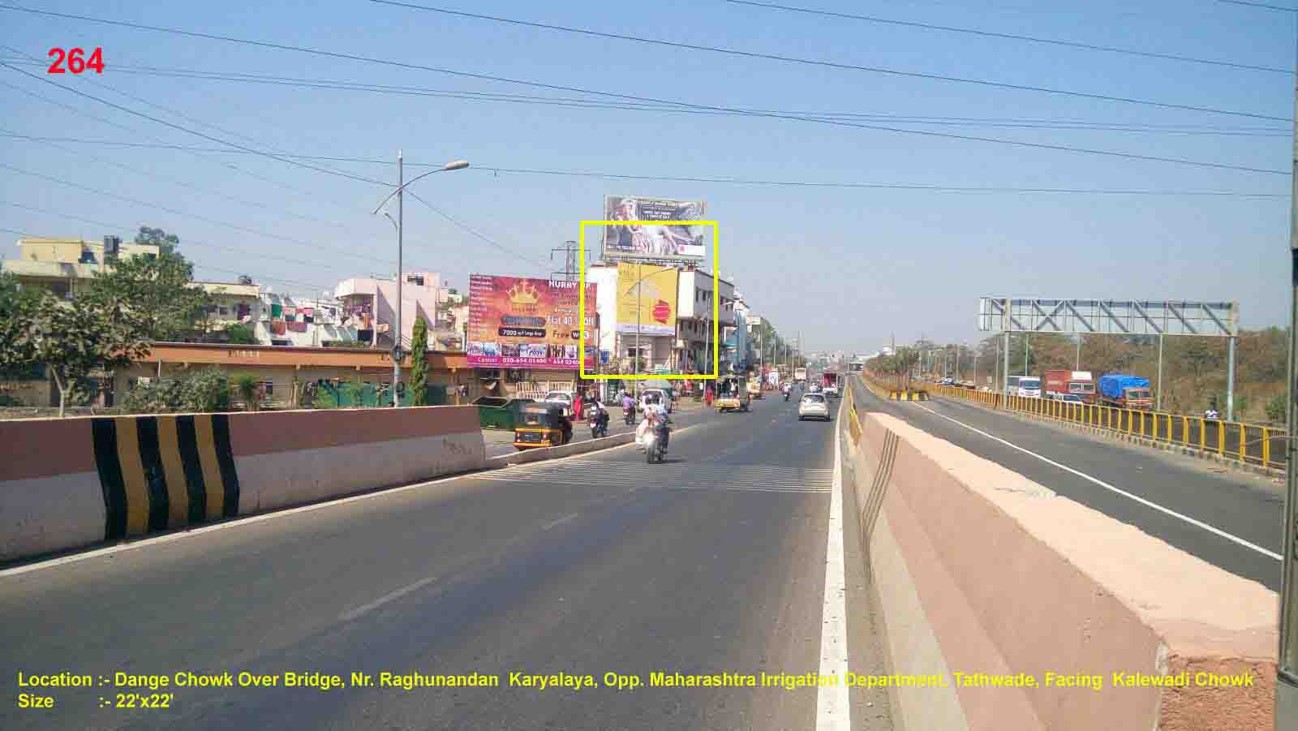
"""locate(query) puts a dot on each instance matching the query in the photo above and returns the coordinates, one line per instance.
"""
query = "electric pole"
(1286, 687)
(569, 272)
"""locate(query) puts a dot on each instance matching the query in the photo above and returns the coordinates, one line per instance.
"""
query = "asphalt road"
(500, 442)
(1239, 505)
(712, 562)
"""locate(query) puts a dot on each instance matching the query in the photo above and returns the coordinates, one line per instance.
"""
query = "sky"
(888, 249)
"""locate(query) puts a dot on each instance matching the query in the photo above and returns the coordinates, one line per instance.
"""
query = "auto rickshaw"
(731, 394)
(754, 389)
(542, 425)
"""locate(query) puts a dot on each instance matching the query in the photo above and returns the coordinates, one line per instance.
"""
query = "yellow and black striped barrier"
(908, 395)
(161, 472)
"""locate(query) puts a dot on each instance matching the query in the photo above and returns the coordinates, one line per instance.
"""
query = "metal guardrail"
(1248, 443)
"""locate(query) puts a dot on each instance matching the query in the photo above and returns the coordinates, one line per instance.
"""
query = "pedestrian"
(707, 396)
(576, 406)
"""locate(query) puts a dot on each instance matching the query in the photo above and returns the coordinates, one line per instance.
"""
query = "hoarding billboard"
(524, 322)
(641, 240)
(646, 298)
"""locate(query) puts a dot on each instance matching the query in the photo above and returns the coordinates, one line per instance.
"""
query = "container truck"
(1126, 391)
(1061, 382)
(829, 380)
(800, 375)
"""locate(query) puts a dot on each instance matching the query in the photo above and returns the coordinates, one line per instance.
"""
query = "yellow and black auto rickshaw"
(731, 394)
(542, 425)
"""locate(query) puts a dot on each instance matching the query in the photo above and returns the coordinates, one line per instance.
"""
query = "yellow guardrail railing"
(1249, 443)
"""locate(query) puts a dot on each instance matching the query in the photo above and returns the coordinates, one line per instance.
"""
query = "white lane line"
(560, 521)
(833, 710)
(1147, 503)
(390, 596)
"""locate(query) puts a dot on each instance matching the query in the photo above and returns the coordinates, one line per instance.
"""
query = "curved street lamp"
(399, 192)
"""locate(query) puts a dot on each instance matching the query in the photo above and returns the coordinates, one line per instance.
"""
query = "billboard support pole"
(1286, 687)
(396, 335)
(1158, 394)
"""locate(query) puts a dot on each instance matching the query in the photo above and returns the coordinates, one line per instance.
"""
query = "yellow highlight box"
(716, 306)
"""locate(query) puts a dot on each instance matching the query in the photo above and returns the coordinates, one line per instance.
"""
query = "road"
(712, 562)
(1242, 507)
(501, 442)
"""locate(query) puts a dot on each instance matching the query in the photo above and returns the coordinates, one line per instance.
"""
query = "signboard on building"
(523, 322)
(646, 298)
(643, 240)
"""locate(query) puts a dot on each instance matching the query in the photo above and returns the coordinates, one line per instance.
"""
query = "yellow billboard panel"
(646, 298)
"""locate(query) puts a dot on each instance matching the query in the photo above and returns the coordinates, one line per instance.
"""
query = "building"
(738, 344)
(67, 266)
(233, 303)
(370, 305)
(304, 322)
(290, 377)
(694, 310)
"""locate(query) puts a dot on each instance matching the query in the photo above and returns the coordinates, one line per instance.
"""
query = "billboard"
(523, 322)
(640, 239)
(646, 298)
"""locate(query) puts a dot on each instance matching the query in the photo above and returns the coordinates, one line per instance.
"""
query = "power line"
(919, 187)
(561, 87)
(1012, 36)
(1259, 5)
(334, 85)
(820, 62)
(186, 130)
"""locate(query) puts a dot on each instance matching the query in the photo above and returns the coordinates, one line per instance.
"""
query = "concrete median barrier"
(566, 450)
(71, 483)
(1039, 612)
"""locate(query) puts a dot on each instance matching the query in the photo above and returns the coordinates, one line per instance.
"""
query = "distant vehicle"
(1126, 391)
(800, 375)
(1012, 385)
(1029, 387)
(664, 398)
(813, 406)
(563, 398)
(1070, 398)
(947, 382)
(1063, 382)
(829, 380)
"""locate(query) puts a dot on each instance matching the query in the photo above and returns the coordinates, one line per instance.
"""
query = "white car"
(560, 397)
(813, 406)
(663, 398)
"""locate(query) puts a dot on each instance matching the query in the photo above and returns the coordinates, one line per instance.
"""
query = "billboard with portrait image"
(650, 241)
(522, 322)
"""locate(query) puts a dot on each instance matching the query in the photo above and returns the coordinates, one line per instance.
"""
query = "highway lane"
(1240, 505)
(712, 562)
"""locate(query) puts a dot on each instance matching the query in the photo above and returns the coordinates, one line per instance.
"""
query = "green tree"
(157, 237)
(419, 363)
(249, 390)
(156, 291)
(240, 334)
(72, 339)
(1275, 409)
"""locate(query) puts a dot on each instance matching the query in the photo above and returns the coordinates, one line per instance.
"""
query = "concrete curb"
(566, 450)
(1187, 450)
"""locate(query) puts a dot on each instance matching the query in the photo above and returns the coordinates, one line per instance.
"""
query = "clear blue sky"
(845, 266)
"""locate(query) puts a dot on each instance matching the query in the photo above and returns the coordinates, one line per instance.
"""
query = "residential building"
(370, 305)
(67, 266)
(297, 321)
(233, 303)
(694, 310)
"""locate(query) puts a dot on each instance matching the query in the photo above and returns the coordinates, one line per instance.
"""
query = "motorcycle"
(786, 395)
(654, 449)
(599, 425)
(628, 413)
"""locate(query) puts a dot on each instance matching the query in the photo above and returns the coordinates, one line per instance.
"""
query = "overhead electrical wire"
(715, 179)
(562, 87)
(815, 62)
(1012, 36)
(1265, 6)
(574, 102)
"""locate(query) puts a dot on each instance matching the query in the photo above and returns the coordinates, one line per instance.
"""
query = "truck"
(829, 380)
(1126, 391)
(800, 375)
(1061, 382)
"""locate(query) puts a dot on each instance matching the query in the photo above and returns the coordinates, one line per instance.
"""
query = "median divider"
(72, 483)
(564, 450)
(1034, 611)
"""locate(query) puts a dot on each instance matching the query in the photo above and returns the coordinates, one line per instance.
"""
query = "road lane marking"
(833, 710)
(390, 596)
(1147, 503)
(560, 521)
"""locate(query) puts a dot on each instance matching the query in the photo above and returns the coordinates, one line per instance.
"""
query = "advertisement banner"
(646, 296)
(520, 322)
(648, 241)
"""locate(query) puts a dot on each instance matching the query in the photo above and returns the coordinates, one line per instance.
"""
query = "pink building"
(371, 306)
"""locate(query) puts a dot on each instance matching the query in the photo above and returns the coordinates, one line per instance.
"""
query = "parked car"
(813, 406)
(563, 398)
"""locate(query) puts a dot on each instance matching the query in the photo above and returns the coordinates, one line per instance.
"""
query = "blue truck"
(1126, 391)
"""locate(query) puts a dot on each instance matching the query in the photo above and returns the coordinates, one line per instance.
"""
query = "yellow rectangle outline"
(716, 306)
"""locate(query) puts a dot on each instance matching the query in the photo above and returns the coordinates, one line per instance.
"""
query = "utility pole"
(569, 272)
(396, 335)
(1286, 690)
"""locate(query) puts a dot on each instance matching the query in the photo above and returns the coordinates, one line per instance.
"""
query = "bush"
(1275, 409)
(206, 390)
(240, 334)
(249, 390)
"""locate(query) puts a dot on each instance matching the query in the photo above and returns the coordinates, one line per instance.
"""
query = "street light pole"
(400, 193)
(1286, 687)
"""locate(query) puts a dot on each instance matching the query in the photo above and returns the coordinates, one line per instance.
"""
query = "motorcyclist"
(786, 388)
(656, 416)
(628, 406)
(598, 415)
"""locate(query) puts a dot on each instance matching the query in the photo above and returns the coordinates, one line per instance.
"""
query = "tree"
(240, 334)
(72, 339)
(157, 237)
(249, 390)
(157, 292)
(419, 363)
